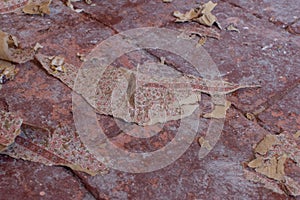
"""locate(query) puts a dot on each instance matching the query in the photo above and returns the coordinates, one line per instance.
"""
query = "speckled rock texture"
(265, 52)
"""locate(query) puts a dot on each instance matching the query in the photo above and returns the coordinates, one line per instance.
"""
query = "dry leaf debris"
(201, 14)
(7, 71)
(11, 51)
(70, 5)
(271, 154)
(204, 143)
(232, 27)
(57, 64)
(39, 7)
(219, 111)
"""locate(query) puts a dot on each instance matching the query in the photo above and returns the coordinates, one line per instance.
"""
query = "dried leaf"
(219, 111)
(188, 16)
(167, 1)
(9, 128)
(88, 2)
(10, 51)
(232, 27)
(7, 71)
(201, 14)
(202, 41)
(264, 146)
(275, 150)
(250, 116)
(273, 168)
(70, 5)
(39, 7)
(207, 19)
(257, 162)
(37, 46)
(204, 143)
(67, 74)
(81, 57)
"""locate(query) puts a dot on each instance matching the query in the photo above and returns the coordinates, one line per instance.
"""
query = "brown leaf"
(201, 15)
(264, 146)
(40, 7)
(10, 51)
(7, 71)
(219, 111)
(204, 143)
(273, 168)
(272, 153)
(232, 27)
(188, 16)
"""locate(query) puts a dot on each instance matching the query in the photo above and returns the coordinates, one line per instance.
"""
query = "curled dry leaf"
(57, 64)
(88, 2)
(10, 51)
(9, 129)
(37, 46)
(70, 5)
(7, 71)
(201, 14)
(202, 41)
(271, 155)
(232, 27)
(39, 7)
(250, 116)
(204, 143)
(219, 111)
(264, 146)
